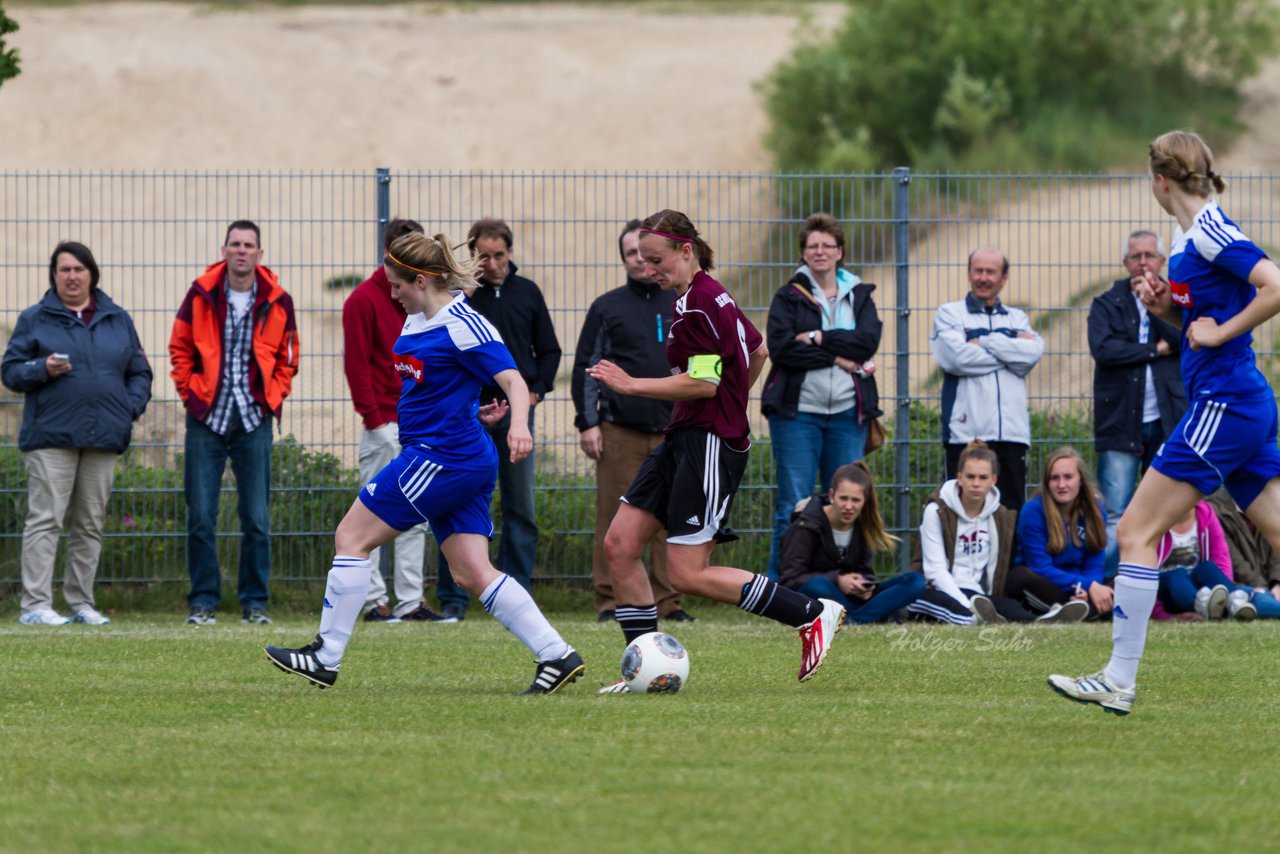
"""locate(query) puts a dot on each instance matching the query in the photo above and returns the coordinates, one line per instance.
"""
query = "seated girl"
(966, 541)
(1196, 573)
(1062, 539)
(827, 550)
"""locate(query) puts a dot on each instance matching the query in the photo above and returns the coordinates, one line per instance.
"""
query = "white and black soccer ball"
(655, 663)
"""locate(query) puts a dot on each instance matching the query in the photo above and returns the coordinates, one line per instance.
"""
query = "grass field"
(150, 735)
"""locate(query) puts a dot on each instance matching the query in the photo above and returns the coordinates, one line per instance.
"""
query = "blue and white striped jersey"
(1209, 269)
(443, 361)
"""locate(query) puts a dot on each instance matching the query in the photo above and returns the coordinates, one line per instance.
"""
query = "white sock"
(344, 594)
(1136, 588)
(511, 605)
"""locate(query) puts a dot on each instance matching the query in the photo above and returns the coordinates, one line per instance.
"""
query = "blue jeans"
(1117, 480)
(518, 544)
(1178, 589)
(205, 459)
(891, 595)
(806, 448)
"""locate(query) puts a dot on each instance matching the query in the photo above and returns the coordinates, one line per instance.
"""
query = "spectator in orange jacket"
(234, 352)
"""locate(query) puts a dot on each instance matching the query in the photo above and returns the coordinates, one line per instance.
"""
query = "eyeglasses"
(1144, 256)
(825, 247)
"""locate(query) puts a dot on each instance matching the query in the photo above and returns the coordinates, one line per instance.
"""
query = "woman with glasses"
(820, 395)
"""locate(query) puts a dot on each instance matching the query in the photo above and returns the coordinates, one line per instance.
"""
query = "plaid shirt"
(237, 347)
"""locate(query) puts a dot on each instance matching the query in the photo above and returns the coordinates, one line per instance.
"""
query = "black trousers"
(1012, 477)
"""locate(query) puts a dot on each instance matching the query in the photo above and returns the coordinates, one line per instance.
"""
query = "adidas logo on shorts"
(370, 488)
(692, 520)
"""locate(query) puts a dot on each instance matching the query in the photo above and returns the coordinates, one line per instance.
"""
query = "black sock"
(637, 620)
(770, 599)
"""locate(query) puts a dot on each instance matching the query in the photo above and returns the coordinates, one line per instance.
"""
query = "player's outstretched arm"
(1206, 332)
(680, 386)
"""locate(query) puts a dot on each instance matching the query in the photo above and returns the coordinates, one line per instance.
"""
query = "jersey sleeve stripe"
(479, 328)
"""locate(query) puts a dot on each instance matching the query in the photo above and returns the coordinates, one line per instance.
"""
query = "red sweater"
(371, 323)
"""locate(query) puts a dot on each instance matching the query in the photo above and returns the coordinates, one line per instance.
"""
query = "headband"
(414, 269)
(668, 236)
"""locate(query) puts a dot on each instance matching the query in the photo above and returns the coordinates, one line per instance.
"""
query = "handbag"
(875, 436)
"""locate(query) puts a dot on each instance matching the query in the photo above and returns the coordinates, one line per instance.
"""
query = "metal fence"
(153, 232)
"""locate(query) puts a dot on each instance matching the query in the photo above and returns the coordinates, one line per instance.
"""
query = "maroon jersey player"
(687, 484)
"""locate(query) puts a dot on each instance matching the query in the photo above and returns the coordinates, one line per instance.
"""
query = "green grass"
(150, 735)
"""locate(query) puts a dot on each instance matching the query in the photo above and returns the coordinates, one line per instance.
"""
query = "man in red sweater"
(371, 323)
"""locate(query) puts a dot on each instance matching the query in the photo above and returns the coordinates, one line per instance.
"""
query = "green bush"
(8, 57)
(1011, 83)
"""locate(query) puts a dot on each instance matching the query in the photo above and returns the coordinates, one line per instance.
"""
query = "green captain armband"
(706, 368)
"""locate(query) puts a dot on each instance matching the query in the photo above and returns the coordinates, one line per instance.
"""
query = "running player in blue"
(446, 471)
(1220, 287)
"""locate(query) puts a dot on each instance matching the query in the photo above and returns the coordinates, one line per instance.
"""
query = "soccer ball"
(655, 663)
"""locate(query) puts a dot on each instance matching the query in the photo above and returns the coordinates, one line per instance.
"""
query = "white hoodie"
(976, 548)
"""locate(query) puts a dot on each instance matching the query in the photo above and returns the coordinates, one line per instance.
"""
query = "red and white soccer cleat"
(817, 636)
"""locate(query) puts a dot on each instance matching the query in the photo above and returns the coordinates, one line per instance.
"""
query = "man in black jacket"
(515, 306)
(1138, 395)
(628, 326)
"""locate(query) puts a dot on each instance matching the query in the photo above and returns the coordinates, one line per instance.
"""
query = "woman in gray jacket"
(77, 358)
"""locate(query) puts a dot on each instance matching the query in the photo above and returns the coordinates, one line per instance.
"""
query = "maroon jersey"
(709, 323)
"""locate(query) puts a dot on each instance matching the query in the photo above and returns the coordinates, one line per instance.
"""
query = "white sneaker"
(1071, 612)
(1240, 608)
(1094, 689)
(1211, 602)
(90, 617)
(816, 637)
(43, 617)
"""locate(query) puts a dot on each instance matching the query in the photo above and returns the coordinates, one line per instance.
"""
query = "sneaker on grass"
(43, 617)
(1240, 608)
(423, 614)
(380, 614)
(257, 616)
(551, 676)
(985, 610)
(1069, 612)
(304, 663)
(201, 616)
(1211, 602)
(1094, 689)
(90, 617)
(816, 637)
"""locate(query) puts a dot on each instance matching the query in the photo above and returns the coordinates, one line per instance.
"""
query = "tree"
(1012, 83)
(8, 57)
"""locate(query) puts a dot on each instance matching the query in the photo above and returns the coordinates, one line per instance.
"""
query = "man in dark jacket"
(1138, 395)
(628, 326)
(515, 306)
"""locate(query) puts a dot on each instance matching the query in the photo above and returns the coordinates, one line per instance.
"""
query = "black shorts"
(688, 483)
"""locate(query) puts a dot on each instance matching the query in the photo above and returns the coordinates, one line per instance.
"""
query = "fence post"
(384, 210)
(902, 367)
(384, 217)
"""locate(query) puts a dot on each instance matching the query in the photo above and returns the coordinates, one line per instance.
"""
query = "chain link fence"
(153, 232)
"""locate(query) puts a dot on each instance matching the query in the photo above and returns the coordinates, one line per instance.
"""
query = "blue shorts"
(1224, 443)
(413, 488)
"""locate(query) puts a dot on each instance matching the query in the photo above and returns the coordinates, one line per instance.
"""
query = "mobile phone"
(61, 358)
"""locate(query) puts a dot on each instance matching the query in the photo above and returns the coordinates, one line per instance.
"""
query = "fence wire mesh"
(911, 234)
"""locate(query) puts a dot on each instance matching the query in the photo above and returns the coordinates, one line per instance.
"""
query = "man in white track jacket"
(985, 350)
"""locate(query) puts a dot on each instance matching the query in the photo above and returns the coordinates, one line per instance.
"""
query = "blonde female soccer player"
(1220, 287)
(445, 471)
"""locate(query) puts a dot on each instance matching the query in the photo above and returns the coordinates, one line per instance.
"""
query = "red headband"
(668, 236)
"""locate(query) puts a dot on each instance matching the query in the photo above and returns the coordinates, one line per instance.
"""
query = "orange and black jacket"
(195, 345)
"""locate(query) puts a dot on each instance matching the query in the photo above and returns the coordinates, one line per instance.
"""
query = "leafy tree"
(8, 57)
(1013, 83)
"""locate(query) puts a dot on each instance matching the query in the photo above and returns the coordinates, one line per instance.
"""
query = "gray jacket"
(94, 405)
